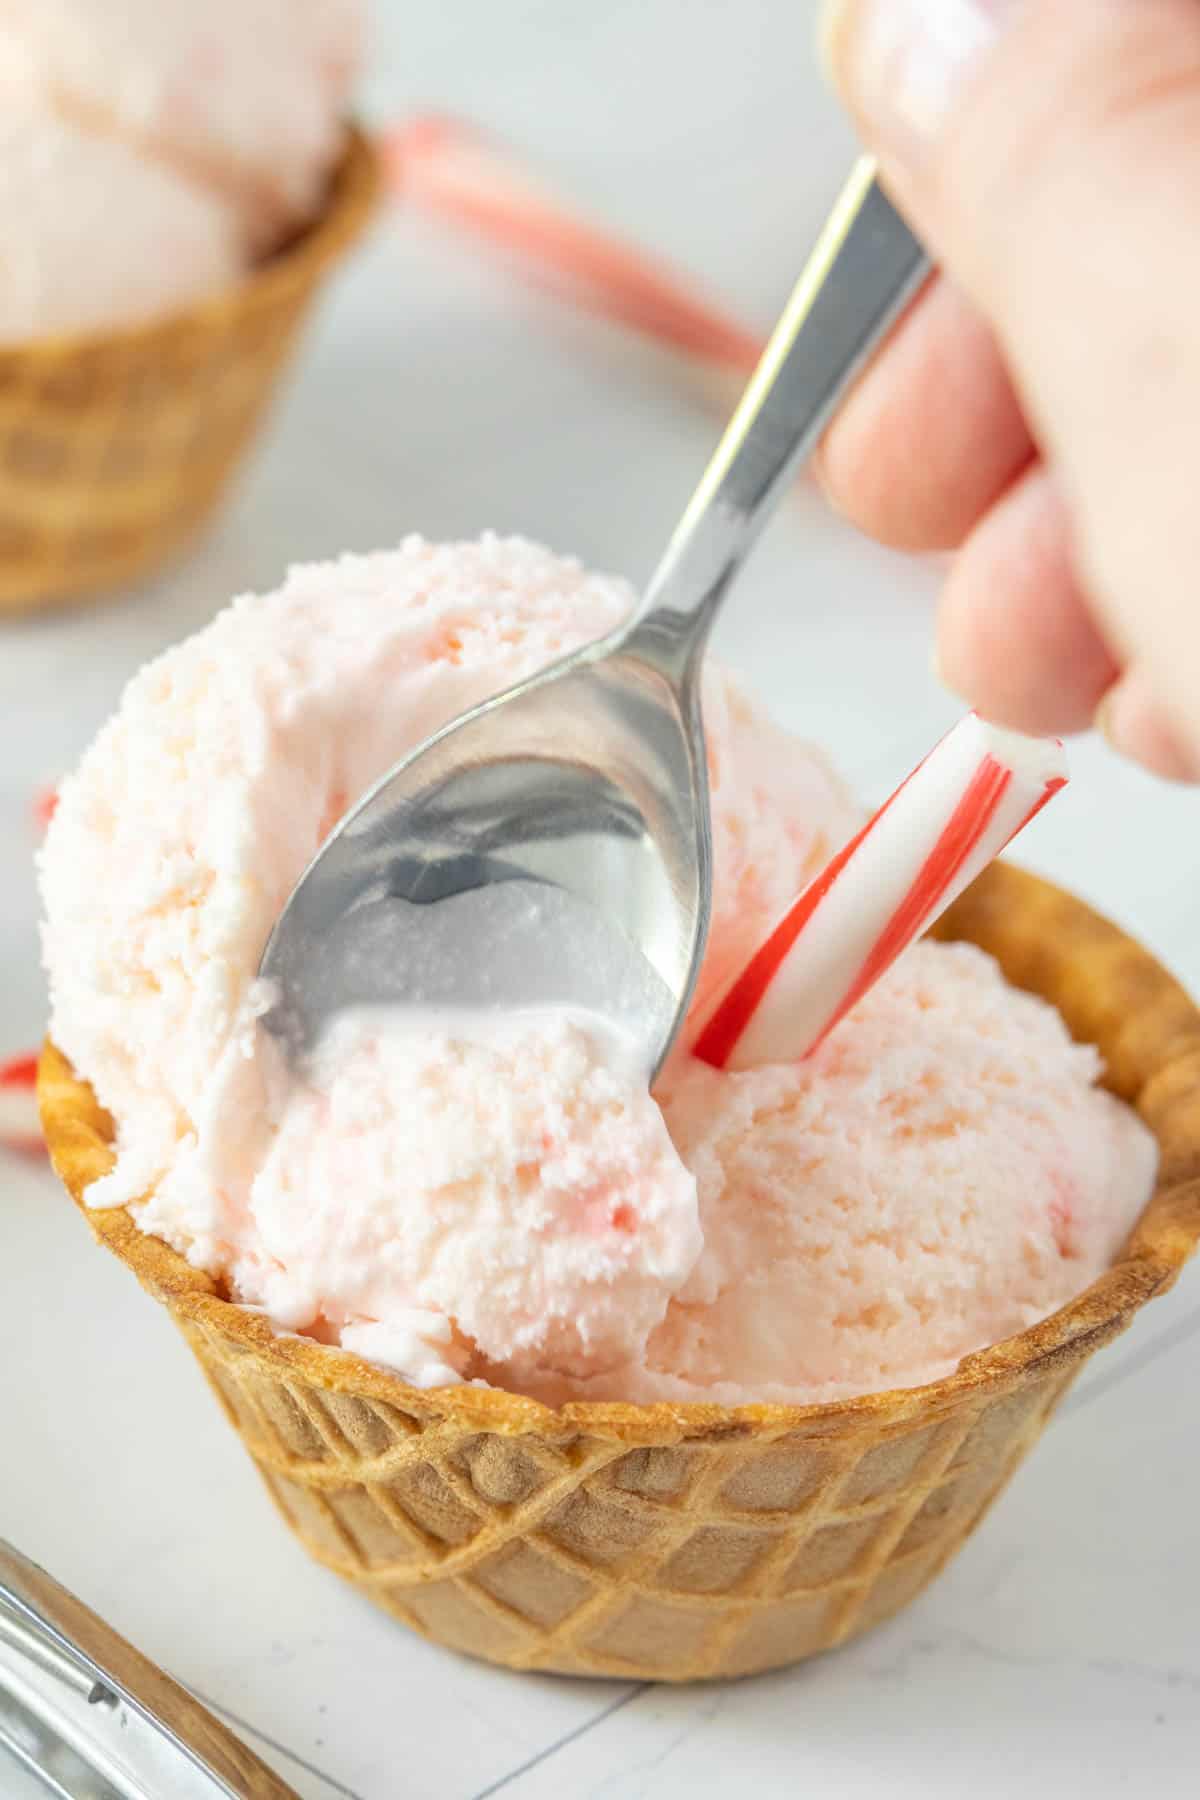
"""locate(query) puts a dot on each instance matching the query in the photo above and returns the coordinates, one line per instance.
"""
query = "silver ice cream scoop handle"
(93, 1719)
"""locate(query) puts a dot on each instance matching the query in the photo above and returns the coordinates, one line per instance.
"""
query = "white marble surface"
(1061, 1653)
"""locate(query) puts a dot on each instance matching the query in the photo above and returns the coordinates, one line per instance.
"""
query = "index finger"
(932, 434)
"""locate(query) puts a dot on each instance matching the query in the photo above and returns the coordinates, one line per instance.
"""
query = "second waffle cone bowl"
(678, 1543)
(115, 446)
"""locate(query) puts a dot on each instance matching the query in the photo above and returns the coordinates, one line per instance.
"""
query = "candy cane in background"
(20, 1127)
(969, 798)
(448, 169)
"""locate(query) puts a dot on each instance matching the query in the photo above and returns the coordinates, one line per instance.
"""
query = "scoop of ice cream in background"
(462, 1202)
(97, 234)
(150, 150)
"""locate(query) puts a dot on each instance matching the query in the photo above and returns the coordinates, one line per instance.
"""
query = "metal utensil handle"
(866, 265)
(169, 1742)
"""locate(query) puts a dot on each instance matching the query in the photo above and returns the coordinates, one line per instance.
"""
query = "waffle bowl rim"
(354, 185)
(79, 1136)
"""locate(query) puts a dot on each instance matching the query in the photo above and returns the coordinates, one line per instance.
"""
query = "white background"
(1062, 1651)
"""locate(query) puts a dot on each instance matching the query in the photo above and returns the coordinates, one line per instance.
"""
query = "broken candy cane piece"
(20, 1127)
(957, 810)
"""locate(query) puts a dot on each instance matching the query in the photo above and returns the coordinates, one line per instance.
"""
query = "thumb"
(1049, 153)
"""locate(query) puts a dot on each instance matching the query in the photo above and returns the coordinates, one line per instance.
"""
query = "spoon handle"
(88, 1714)
(865, 267)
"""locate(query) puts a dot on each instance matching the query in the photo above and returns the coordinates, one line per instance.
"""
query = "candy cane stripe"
(957, 810)
(968, 823)
(20, 1127)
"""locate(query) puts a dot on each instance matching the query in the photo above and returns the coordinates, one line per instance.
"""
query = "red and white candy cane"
(969, 798)
(20, 1127)
(449, 169)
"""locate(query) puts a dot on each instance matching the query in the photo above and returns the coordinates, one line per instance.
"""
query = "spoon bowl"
(541, 850)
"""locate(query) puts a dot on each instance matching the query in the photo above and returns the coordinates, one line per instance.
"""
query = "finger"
(1132, 719)
(1015, 636)
(931, 434)
(1050, 152)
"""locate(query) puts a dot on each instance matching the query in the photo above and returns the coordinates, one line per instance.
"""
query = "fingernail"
(900, 64)
(1132, 723)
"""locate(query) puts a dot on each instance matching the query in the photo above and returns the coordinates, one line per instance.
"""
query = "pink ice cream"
(502, 1200)
(942, 1172)
(150, 149)
(544, 1208)
(97, 234)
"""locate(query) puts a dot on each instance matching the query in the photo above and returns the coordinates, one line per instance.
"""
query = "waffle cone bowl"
(115, 446)
(678, 1543)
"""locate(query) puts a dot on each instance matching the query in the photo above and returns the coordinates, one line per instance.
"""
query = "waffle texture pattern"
(115, 446)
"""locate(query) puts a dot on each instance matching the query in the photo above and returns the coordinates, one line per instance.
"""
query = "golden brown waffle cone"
(677, 1542)
(116, 445)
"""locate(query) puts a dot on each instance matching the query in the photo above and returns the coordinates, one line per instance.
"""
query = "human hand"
(1038, 408)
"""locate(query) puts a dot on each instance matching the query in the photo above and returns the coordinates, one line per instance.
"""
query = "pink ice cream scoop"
(97, 233)
(150, 149)
(942, 1172)
(502, 1200)
(545, 1213)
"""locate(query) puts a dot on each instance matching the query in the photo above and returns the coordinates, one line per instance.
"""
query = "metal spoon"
(554, 844)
